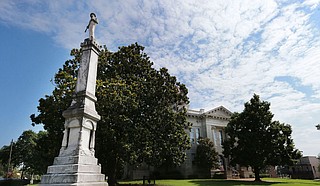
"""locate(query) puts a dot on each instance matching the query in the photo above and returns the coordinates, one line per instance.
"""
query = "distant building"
(305, 168)
(210, 124)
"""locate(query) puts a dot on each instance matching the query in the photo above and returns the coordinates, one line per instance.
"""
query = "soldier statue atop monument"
(91, 26)
(76, 164)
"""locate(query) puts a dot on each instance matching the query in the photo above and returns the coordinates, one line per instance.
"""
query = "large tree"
(8, 162)
(50, 111)
(28, 154)
(141, 108)
(206, 157)
(25, 151)
(257, 141)
(41, 153)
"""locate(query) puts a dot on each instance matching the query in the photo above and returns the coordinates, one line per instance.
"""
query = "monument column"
(76, 164)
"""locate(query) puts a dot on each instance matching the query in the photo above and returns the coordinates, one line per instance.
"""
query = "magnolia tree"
(142, 111)
(255, 140)
(206, 157)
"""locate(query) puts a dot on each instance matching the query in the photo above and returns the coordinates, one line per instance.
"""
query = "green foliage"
(206, 156)
(26, 154)
(50, 110)
(14, 160)
(4, 158)
(257, 141)
(2, 170)
(42, 152)
(141, 108)
(25, 151)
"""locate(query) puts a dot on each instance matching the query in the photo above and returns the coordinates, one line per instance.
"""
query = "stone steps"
(78, 184)
(71, 178)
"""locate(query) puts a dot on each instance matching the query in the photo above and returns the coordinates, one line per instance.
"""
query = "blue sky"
(224, 51)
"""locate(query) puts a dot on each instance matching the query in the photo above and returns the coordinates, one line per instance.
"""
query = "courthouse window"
(214, 137)
(221, 136)
(194, 135)
(197, 134)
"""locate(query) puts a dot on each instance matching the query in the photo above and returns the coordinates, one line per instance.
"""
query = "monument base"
(74, 170)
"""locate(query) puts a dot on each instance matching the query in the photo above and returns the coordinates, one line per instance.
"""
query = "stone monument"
(76, 163)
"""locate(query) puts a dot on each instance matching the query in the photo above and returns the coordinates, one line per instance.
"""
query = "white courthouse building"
(205, 124)
(211, 124)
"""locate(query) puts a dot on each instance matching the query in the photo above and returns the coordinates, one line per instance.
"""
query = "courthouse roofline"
(211, 113)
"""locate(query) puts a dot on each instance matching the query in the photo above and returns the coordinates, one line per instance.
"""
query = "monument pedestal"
(74, 170)
(76, 164)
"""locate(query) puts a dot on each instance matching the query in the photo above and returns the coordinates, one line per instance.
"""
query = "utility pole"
(9, 161)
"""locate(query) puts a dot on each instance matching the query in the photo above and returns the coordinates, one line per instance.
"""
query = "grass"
(210, 182)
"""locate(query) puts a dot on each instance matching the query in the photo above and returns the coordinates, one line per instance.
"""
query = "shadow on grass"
(211, 182)
(231, 182)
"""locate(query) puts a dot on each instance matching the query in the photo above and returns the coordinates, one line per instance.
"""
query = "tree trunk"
(112, 173)
(22, 172)
(257, 174)
(112, 180)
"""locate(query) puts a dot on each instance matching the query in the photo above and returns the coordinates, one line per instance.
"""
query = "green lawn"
(210, 182)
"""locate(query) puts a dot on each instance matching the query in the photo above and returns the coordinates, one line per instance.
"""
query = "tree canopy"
(206, 156)
(28, 154)
(5, 156)
(142, 110)
(50, 110)
(257, 141)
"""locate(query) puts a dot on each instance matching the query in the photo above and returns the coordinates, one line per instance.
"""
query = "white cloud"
(312, 3)
(224, 51)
